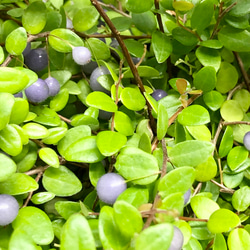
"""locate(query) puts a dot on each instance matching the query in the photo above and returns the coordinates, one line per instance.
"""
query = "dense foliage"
(184, 176)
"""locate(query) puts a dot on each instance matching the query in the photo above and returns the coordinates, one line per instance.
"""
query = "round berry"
(53, 84)
(109, 187)
(19, 94)
(27, 49)
(187, 196)
(9, 208)
(69, 24)
(159, 94)
(93, 81)
(38, 91)
(81, 55)
(36, 59)
(177, 241)
(89, 67)
(246, 140)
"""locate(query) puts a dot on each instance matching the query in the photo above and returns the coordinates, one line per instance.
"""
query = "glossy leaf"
(132, 99)
(194, 115)
(222, 220)
(35, 130)
(226, 143)
(39, 225)
(162, 46)
(55, 135)
(34, 25)
(219, 242)
(42, 197)
(236, 157)
(49, 156)
(98, 48)
(144, 71)
(138, 6)
(144, 21)
(136, 165)
(238, 239)
(155, 237)
(123, 124)
(96, 170)
(162, 122)
(184, 37)
(213, 99)
(190, 153)
(76, 234)
(199, 132)
(61, 181)
(19, 111)
(67, 208)
(242, 96)
(178, 180)
(110, 142)
(6, 102)
(231, 111)
(7, 167)
(240, 199)
(60, 100)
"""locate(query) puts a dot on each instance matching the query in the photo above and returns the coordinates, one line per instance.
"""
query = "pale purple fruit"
(53, 84)
(69, 24)
(159, 94)
(177, 241)
(246, 140)
(19, 94)
(36, 59)
(187, 196)
(89, 67)
(81, 55)
(9, 208)
(109, 187)
(93, 81)
(38, 91)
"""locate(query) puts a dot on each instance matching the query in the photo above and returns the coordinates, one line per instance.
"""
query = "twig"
(37, 170)
(217, 133)
(231, 92)
(158, 16)
(64, 119)
(223, 188)
(243, 71)
(197, 189)
(235, 123)
(165, 158)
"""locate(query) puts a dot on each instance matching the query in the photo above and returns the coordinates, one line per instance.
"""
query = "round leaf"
(241, 199)
(231, 111)
(138, 6)
(7, 167)
(236, 157)
(238, 239)
(35, 131)
(6, 103)
(123, 124)
(49, 156)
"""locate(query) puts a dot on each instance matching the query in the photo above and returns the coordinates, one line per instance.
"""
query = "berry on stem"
(38, 91)
(81, 55)
(53, 85)
(159, 94)
(246, 140)
(9, 208)
(110, 186)
(177, 241)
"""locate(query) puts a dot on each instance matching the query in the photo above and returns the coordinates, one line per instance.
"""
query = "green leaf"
(242, 96)
(85, 18)
(110, 234)
(67, 208)
(138, 6)
(10, 140)
(110, 142)
(1, 55)
(155, 237)
(49, 156)
(6, 102)
(162, 46)
(127, 218)
(135, 195)
(194, 115)
(178, 180)
(241, 8)
(102, 101)
(213, 99)
(7, 167)
(206, 170)
(203, 207)
(61, 39)
(226, 143)
(231, 111)
(17, 184)
(122, 23)
(19, 111)
(42, 197)
(227, 77)
(213, 44)
(99, 50)
(76, 234)
(222, 220)
(36, 224)
(55, 135)
(219, 242)
(145, 21)
(236, 157)
(235, 39)
(135, 48)
(199, 21)
(136, 165)
(184, 37)
(133, 99)
(199, 132)
(145, 143)
(12, 80)
(16, 41)
(209, 57)
(144, 71)
(190, 153)
(60, 100)
(232, 181)
(61, 181)
(35, 25)
(123, 123)
(241, 199)
(96, 170)
(35, 131)
(238, 239)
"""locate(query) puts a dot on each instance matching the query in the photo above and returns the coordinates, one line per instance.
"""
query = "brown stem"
(158, 16)
(235, 123)
(165, 158)
(197, 189)
(243, 71)
(223, 188)
(36, 170)
(64, 119)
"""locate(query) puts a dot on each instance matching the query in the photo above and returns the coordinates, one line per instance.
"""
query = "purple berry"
(89, 67)
(177, 241)
(93, 81)
(19, 94)
(38, 91)
(187, 196)
(81, 55)
(69, 24)
(27, 49)
(36, 59)
(110, 186)
(159, 94)
(246, 141)
(9, 208)
(53, 84)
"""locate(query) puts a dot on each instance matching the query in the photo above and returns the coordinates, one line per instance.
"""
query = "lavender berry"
(159, 94)
(246, 140)
(53, 84)
(81, 55)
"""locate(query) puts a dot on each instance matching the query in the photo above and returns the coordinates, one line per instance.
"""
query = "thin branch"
(235, 123)
(223, 188)
(165, 158)
(243, 71)
(37, 170)
(64, 119)
(231, 92)
(158, 16)
(112, 7)
(197, 189)
(217, 133)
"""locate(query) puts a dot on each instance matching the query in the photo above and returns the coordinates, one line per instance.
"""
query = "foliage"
(54, 152)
